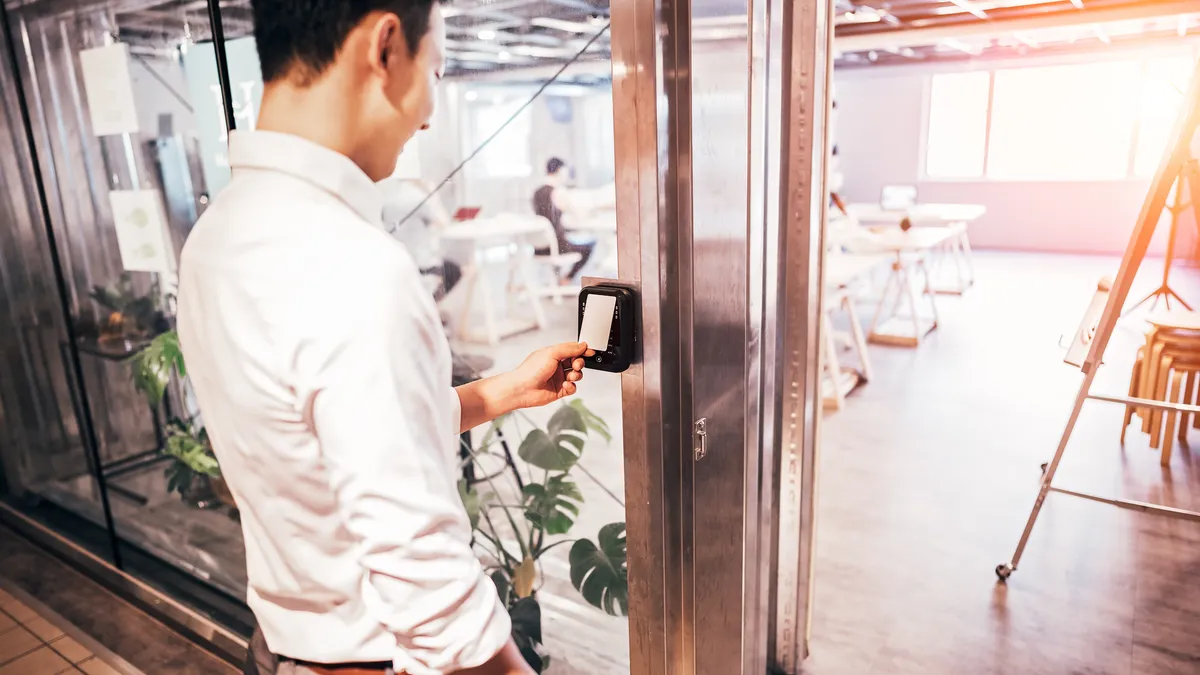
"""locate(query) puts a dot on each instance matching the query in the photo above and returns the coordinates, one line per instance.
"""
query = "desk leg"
(860, 340)
(884, 296)
(524, 264)
(898, 330)
(965, 245)
(469, 281)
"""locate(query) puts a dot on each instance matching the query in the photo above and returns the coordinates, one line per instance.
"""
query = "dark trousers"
(450, 273)
(565, 247)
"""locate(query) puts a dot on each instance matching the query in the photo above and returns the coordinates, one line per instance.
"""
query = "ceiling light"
(472, 95)
(1183, 26)
(1102, 35)
(1078, 4)
(504, 56)
(487, 34)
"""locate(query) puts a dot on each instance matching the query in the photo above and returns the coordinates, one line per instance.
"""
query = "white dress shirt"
(323, 374)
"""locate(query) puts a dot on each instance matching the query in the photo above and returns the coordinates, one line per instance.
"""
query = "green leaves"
(560, 446)
(600, 572)
(152, 366)
(553, 506)
(474, 501)
(591, 421)
(191, 449)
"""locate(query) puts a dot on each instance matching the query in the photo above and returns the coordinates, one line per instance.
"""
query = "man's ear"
(387, 41)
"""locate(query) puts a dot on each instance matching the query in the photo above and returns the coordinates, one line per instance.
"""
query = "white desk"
(506, 240)
(956, 249)
(906, 249)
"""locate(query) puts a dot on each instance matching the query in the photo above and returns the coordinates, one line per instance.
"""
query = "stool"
(1167, 368)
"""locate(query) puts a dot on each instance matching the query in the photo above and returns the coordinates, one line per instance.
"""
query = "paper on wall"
(141, 223)
(109, 88)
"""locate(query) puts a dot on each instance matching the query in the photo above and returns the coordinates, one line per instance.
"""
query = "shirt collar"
(326, 169)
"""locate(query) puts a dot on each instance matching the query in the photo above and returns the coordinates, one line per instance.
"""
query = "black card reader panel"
(623, 341)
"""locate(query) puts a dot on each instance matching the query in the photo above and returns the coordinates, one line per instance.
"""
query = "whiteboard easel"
(1170, 171)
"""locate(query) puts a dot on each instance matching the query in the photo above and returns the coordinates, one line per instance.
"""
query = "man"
(549, 202)
(414, 216)
(323, 372)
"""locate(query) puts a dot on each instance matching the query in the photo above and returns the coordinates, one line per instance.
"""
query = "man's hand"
(547, 375)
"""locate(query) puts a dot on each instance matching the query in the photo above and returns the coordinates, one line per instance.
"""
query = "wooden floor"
(928, 475)
(927, 478)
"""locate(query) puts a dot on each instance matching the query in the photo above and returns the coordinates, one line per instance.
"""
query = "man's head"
(368, 65)
(555, 166)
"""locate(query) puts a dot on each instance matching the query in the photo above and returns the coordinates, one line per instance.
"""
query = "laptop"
(898, 197)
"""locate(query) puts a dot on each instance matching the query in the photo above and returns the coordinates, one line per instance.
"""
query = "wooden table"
(511, 239)
(956, 250)
(907, 250)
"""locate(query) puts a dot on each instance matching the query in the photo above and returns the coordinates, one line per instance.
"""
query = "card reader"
(608, 324)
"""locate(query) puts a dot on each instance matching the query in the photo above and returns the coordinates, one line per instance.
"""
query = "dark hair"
(309, 34)
(554, 165)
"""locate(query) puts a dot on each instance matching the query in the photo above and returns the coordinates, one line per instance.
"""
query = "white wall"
(446, 144)
(882, 117)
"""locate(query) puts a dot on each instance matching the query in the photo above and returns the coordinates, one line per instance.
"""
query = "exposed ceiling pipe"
(997, 27)
(966, 6)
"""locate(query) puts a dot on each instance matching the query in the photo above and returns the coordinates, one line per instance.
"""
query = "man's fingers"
(590, 353)
(569, 388)
(577, 364)
(574, 376)
(567, 350)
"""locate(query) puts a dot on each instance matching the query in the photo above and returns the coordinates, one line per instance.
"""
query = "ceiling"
(486, 36)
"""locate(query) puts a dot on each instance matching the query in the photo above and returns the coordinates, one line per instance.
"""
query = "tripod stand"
(1187, 176)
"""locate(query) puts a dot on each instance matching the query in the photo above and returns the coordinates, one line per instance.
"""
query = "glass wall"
(127, 106)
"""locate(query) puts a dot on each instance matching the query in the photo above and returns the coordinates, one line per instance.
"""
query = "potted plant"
(194, 472)
(516, 523)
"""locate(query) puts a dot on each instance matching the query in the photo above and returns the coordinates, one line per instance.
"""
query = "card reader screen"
(598, 316)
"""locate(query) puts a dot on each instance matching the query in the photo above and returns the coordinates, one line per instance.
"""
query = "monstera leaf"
(152, 367)
(591, 420)
(600, 573)
(472, 501)
(553, 506)
(559, 447)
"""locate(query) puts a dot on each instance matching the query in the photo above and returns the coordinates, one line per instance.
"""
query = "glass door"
(632, 528)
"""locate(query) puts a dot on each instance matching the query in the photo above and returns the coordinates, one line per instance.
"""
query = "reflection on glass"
(132, 157)
(41, 444)
(119, 144)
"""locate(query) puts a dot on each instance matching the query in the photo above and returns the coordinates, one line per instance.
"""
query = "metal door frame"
(769, 483)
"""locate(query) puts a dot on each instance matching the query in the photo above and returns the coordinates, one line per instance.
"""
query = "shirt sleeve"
(381, 416)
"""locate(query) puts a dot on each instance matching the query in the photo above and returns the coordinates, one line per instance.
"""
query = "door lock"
(700, 438)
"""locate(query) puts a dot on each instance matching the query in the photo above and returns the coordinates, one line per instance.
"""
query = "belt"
(365, 668)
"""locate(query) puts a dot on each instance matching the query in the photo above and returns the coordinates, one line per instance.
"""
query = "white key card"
(597, 321)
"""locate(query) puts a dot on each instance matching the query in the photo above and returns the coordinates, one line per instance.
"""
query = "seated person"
(418, 230)
(549, 202)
